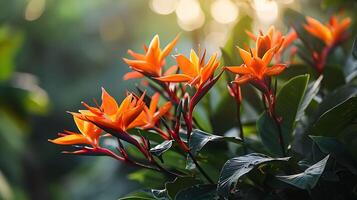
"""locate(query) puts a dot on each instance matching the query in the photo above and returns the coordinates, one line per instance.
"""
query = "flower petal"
(154, 102)
(131, 75)
(71, 140)
(186, 66)
(246, 56)
(170, 70)
(109, 105)
(169, 47)
(243, 79)
(175, 78)
(243, 69)
(275, 69)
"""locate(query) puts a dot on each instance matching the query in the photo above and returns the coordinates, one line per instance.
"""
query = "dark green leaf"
(354, 49)
(159, 149)
(237, 167)
(310, 93)
(178, 184)
(333, 121)
(199, 139)
(307, 179)
(288, 101)
(333, 77)
(198, 192)
(336, 149)
(336, 97)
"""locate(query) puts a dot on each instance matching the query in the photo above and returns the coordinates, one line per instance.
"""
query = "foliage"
(301, 145)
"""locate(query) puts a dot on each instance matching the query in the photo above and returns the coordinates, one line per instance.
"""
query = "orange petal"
(131, 75)
(186, 66)
(154, 102)
(246, 56)
(243, 79)
(275, 70)
(209, 68)
(175, 78)
(268, 56)
(141, 65)
(263, 44)
(169, 47)
(258, 67)
(318, 30)
(251, 35)
(80, 125)
(71, 140)
(136, 55)
(243, 69)
(153, 53)
(170, 70)
(109, 105)
(162, 111)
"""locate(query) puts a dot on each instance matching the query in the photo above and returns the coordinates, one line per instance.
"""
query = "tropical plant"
(277, 121)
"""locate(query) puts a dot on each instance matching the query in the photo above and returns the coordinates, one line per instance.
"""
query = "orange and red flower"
(331, 33)
(256, 62)
(275, 38)
(194, 70)
(151, 63)
(89, 134)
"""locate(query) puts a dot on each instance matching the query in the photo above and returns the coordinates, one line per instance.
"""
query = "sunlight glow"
(163, 7)
(224, 11)
(267, 11)
(190, 15)
(34, 9)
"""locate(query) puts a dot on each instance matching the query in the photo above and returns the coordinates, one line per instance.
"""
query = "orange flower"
(152, 62)
(89, 134)
(331, 33)
(195, 71)
(111, 116)
(276, 38)
(152, 114)
(256, 67)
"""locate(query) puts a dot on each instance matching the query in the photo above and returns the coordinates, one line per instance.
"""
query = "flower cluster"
(177, 89)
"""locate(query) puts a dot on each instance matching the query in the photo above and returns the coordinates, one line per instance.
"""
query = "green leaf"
(238, 37)
(336, 97)
(310, 93)
(333, 121)
(237, 167)
(147, 177)
(159, 194)
(333, 77)
(307, 179)
(336, 149)
(198, 192)
(288, 102)
(354, 49)
(199, 139)
(10, 42)
(178, 184)
(159, 149)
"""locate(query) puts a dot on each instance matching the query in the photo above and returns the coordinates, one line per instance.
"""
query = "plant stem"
(240, 126)
(200, 168)
(280, 134)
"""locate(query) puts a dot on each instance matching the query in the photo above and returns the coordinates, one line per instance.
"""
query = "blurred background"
(56, 53)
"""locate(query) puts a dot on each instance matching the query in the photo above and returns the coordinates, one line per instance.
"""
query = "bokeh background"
(56, 53)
